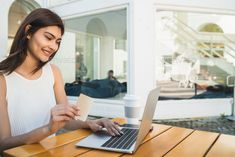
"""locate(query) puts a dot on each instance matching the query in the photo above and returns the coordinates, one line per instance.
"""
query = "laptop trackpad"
(95, 139)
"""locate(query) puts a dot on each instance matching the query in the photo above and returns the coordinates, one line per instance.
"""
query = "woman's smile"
(47, 52)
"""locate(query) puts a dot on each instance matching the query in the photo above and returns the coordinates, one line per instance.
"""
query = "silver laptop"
(132, 136)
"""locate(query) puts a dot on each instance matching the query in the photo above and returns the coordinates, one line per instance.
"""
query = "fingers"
(111, 127)
(60, 112)
(114, 130)
(93, 125)
(96, 127)
(105, 124)
(117, 128)
(71, 111)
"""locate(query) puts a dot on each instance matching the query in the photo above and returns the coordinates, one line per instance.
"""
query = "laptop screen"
(146, 122)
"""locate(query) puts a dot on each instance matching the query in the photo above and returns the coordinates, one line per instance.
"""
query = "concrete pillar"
(141, 69)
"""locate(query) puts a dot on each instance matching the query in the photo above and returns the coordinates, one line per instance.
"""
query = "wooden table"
(163, 140)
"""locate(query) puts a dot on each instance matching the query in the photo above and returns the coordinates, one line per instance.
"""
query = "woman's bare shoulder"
(2, 86)
(55, 68)
(56, 72)
(2, 81)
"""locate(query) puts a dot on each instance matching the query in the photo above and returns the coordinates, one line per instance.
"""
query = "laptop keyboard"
(124, 141)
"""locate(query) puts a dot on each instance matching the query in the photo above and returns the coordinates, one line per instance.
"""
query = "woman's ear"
(26, 30)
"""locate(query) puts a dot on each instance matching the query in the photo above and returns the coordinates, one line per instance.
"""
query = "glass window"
(195, 55)
(100, 45)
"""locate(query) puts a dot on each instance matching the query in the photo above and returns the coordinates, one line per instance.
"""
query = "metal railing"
(193, 35)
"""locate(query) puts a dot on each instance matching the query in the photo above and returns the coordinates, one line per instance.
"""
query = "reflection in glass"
(101, 45)
(195, 54)
(101, 39)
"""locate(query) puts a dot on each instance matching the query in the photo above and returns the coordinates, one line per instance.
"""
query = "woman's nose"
(53, 46)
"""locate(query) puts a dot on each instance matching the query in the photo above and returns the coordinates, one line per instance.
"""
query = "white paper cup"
(132, 114)
(131, 110)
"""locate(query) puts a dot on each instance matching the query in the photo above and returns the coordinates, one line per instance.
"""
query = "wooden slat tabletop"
(47, 144)
(195, 145)
(224, 147)
(163, 140)
(163, 143)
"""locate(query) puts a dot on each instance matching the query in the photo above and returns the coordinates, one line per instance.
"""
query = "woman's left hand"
(98, 124)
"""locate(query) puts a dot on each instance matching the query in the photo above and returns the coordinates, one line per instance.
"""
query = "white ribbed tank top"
(29, 101)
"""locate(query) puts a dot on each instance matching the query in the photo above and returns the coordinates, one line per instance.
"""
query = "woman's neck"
(28, 66)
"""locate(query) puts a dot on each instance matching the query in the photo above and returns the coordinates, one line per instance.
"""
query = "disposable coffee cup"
(132, 110)
(84, 103)
(132, 114)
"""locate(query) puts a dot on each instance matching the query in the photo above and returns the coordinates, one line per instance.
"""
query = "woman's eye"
(48, 38)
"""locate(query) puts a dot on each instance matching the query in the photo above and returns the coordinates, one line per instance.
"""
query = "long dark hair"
(37, 19)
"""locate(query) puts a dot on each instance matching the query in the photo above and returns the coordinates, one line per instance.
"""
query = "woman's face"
(43, 43)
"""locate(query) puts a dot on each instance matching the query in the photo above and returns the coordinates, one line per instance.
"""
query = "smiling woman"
(33, 103)
(46, 40)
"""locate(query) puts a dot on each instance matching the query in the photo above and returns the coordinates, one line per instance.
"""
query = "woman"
(33, 103)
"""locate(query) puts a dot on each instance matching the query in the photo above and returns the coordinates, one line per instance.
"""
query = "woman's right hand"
(60, 114)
